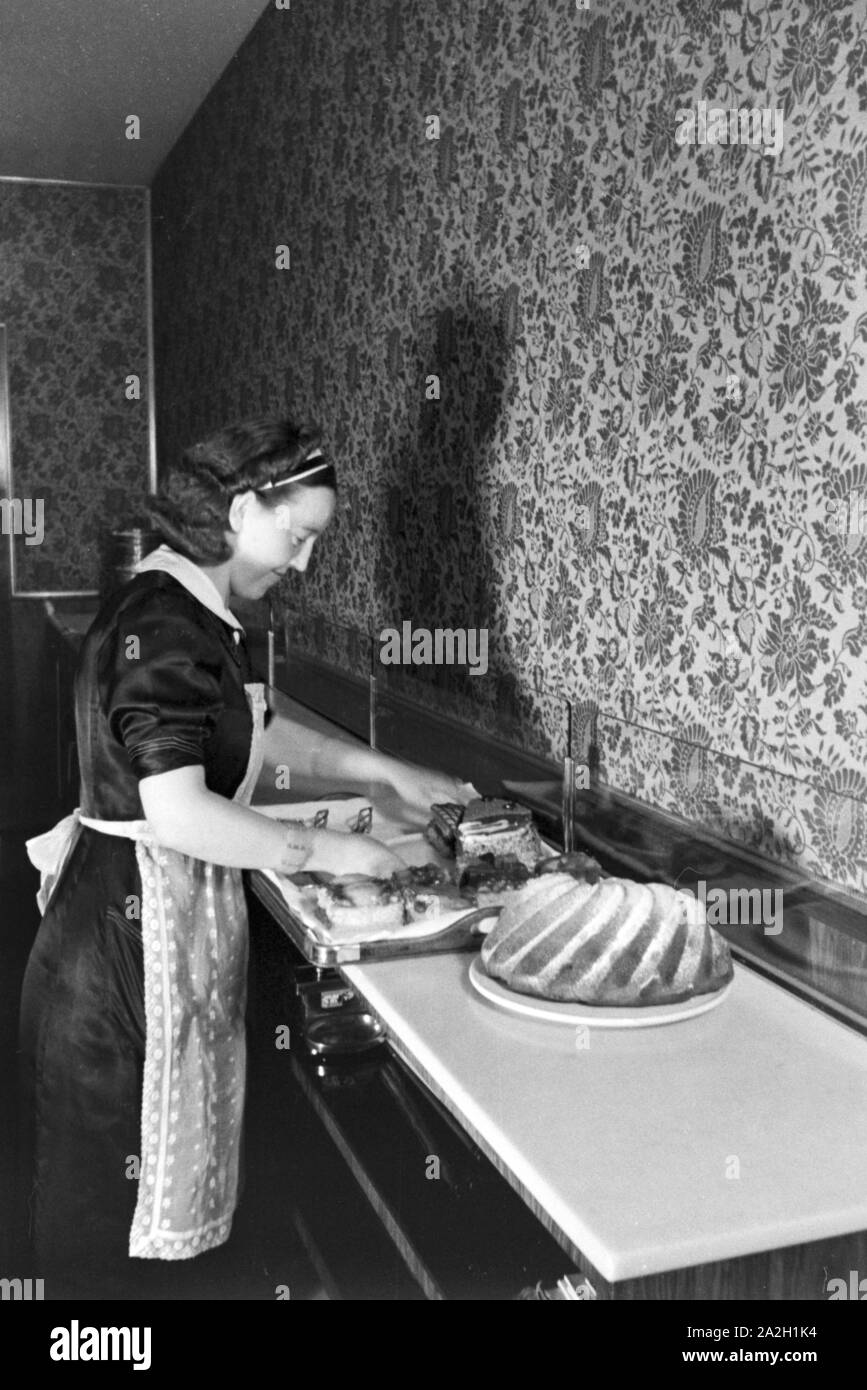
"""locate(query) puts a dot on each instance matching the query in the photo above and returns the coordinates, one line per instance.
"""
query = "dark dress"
(160, 685)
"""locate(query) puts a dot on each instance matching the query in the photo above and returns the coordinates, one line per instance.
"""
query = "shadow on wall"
(437, 566)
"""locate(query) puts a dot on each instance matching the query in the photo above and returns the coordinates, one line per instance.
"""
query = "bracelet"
(297, 848)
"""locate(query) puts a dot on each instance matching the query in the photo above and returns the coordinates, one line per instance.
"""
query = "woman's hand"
(422, 787)
(344, 852)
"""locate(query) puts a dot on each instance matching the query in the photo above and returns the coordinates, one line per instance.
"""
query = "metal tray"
(463, 934)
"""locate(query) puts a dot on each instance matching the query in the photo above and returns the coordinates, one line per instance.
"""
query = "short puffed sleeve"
(162, 683)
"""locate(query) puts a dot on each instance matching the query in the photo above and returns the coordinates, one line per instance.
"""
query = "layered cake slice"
(443, 825)
(499, 832)
(429, 893)
(353, 903)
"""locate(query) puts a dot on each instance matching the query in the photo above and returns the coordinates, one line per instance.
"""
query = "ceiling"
(71, 71)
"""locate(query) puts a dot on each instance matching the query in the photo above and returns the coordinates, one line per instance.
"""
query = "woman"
(133, 1003)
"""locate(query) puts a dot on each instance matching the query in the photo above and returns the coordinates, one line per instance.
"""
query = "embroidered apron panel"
(194, 936)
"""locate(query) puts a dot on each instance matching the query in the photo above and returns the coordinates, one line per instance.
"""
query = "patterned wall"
(73, 298)
(631, 525)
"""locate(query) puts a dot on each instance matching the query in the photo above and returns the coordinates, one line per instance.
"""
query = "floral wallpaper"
(73, 299)
(592, 387)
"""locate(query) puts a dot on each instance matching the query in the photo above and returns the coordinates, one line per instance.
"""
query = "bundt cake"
(614, 942)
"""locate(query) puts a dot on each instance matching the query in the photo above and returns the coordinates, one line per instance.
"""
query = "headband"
(296, 477)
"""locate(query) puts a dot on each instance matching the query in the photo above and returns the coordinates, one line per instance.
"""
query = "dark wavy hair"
(190, 512)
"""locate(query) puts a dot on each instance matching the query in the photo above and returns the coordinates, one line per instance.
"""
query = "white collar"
(194, 580)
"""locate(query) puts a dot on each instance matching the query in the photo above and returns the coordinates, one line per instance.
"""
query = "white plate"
(549, 1011)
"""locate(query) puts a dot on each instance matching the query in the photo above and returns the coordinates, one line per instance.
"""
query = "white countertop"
(626, 1144)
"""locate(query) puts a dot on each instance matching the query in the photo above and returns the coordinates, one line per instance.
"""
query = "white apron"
(194, 937)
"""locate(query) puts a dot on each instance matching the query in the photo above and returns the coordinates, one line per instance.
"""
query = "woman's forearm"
(312, 752)
(317, 754)
(185, 816)
(352, 764)
(198, 822)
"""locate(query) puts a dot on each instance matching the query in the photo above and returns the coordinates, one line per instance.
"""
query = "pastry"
(356, 907)
(437, 901)
(442, 826)
(429, 892)
(354, 902)
(502, 830)
(578, 865)
(486, 881)
(612, 943)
